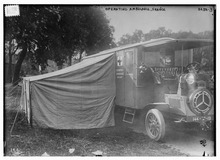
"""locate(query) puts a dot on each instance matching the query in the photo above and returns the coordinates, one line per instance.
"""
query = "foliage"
(30, 30)
(11, 47)
(139, 36)
(57, 33)
(100, 36)
(85, 29)
(160, 32)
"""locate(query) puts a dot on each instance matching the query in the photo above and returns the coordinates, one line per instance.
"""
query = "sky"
(177, 18)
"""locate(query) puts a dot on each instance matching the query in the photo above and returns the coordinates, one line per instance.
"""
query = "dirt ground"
(111, 141)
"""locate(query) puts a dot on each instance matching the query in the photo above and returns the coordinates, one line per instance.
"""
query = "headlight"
(190, 78)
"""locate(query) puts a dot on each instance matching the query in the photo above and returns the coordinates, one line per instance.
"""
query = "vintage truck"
(160, 79)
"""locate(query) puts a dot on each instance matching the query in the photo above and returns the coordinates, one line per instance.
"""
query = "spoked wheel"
(155, 124)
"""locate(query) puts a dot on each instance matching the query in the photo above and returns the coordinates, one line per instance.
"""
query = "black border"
(116, 5)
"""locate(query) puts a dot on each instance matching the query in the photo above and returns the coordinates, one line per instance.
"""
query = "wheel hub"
(153, 123)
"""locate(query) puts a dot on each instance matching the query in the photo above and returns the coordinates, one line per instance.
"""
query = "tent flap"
(79, 98)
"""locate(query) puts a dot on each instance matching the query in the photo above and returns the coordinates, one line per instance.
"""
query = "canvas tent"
(77, 97)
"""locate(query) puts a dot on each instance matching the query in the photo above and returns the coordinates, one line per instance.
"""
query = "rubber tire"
(161, 122)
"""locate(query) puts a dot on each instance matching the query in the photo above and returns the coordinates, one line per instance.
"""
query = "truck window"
(129, 56)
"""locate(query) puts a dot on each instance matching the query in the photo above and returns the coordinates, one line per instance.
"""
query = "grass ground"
(111, 141)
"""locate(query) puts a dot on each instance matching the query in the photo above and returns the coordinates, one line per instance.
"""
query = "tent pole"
(31, 119)
(182, 59)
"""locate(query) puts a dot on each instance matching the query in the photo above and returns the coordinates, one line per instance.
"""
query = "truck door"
(129, 78)
(120, 78)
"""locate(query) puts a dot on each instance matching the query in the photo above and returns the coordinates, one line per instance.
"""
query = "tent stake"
(16, 113)
(14, 122)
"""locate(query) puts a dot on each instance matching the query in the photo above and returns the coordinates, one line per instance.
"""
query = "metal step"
(129, 115)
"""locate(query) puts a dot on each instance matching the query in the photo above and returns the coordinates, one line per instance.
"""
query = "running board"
(129, 115)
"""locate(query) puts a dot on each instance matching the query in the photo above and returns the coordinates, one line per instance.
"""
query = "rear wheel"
(155, 124)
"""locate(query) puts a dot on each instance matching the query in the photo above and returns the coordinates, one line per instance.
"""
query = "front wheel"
(155, 124)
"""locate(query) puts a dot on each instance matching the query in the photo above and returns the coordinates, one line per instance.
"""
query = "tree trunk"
(10, 68)
(9, 77)
(70, 60)
(19, 63)
(80, 56)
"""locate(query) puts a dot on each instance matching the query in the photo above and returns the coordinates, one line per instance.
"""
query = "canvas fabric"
(78, 97)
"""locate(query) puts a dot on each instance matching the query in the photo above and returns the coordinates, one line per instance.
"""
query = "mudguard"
(164, 108)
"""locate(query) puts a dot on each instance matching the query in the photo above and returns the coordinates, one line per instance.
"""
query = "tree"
(100, 33)
(159, 33)
(57, 32)
(11, 47)
(137, 36)
(30, 30)
(84, 29)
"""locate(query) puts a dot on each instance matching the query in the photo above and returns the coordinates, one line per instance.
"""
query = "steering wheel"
(193, 67)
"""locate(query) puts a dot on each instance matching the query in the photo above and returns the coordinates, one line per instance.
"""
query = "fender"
(163, 107)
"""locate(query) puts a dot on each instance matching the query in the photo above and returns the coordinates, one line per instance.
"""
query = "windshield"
(168, 58)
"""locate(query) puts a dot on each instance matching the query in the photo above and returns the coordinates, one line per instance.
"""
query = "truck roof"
(158, 44)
